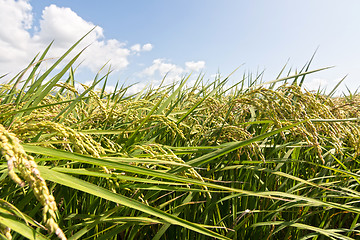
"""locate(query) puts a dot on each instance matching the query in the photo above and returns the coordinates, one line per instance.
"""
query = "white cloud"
(65, 26)
(109, 89)
(195, 66)
(147, 47)
(174, 72)
(101, 51)
(136, 48)
(18, 46)
(152, 76)
(162, 67)
(15, 19)
(136, 88)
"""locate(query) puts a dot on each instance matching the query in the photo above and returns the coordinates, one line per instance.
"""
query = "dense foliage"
(265, 161)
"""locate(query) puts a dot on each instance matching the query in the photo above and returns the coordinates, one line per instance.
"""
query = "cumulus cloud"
(15, 20)
(162, 67)
(136, 88)
(147, 47)
(173, 71)
(195, 66)
(65, 26)
(18, 46)
(138, 48)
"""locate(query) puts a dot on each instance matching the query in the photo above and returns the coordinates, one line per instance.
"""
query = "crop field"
(206, 161)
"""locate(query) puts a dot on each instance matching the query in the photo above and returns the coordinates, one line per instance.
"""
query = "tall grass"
(207, 161)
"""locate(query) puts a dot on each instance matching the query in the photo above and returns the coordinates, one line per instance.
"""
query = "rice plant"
(206, 161)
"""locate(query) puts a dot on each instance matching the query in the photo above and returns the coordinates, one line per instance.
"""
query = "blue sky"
(145, 39)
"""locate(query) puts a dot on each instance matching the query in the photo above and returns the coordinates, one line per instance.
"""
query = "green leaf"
(229, 147)
(325, 232)
(20, 227)
(90, 188)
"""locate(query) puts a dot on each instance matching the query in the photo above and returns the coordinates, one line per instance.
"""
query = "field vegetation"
(206, 161)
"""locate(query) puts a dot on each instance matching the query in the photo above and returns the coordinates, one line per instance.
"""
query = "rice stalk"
(16, 157)
(257, 160)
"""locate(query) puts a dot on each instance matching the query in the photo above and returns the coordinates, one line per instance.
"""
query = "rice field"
(206, 161)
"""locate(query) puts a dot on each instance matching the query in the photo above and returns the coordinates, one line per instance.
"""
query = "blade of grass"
(229, 147)
(35, 90)
(150, 172)
(20, 227)
(325, 232)
(90, 188)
